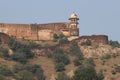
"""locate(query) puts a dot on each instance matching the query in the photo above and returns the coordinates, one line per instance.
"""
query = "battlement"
(103, 39)
(46, 31)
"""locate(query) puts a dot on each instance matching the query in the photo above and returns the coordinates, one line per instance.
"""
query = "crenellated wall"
(35, 31)
(94, 39)
(46, 32)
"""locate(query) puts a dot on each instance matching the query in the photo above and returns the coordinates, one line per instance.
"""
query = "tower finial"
(73, 16)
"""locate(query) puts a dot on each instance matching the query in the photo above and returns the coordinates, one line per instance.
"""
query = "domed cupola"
(73, 24)
(73, 16)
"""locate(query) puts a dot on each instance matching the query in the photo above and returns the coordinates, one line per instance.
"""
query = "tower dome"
(73, 16)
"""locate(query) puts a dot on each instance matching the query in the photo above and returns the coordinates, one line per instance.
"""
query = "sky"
(99, 17)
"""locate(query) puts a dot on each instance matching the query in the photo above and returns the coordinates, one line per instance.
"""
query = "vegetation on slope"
(24, 65)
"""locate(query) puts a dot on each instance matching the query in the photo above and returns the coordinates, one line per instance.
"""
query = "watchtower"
(74, 31)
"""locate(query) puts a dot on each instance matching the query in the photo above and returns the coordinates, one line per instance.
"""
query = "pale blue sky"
(96, 16)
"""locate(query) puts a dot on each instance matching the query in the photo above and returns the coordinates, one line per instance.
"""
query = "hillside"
(105, 58)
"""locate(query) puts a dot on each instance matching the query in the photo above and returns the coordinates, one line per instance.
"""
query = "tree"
(85, 73)
(5, 71)
(26, 75)
(76, 62)
(15, 45)
(75, 50)
(60, 56)
(60, 66)
(26, 50)
(100, 75)
(2, 77)
(90, 62)
(33, 44)
(39, 73)
(32, 67)
(114, 43)
(62, 76)
(0, 41)
(63, 40)
(20, 57)
(87, 43)
(21, 52)
(55, 36)
(17, 68)
(5, 52)
(61, 36)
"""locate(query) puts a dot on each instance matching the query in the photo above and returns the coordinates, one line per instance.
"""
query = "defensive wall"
(103, 39)
(46, 31)
(4, 38)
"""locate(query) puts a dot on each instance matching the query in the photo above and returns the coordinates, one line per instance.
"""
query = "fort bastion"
(39, 32)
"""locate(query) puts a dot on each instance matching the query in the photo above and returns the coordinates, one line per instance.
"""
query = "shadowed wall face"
(103, 39)
(4, 38)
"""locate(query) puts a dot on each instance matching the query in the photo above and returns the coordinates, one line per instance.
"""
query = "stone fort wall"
(46, 31)
(103, 39)
(35, 31)
(4, 38)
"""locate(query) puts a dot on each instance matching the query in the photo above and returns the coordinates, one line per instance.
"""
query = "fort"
(39, 32)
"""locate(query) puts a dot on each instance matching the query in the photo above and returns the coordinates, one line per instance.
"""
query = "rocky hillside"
(98, 51)
(106, 58)
(17, 61)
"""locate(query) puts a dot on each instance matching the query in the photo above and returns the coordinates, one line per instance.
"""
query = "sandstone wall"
(5, 38)
(37, 31)
(17, 30)
(45, 35)
(94, 39)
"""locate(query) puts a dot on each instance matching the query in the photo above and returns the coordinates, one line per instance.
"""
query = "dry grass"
(47, 65)
(7, 63)
(108, 67)
(70, 67)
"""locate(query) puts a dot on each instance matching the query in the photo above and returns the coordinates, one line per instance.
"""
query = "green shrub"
(26, 75)
(33, 44)
(32, 67)
(2, 77)
(75, 50)
(55, 36)
(18, 68)
(62, 76)
(76, 62)
(86, 43)
(60, 66)
(63, 40)
(20, 57)
(106, 56)
(85, 73)
(39, 74)
(60, 56)
(113, 72)
(114, 43)
(100, 75)
(21, 52)
(5, 71)
(5, 53)
(90, 62)
(117, 69)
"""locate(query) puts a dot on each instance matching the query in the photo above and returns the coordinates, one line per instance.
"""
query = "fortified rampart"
(41, 31)
(38, 32)
(94, 39)
(4, 38)
(33, 31)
